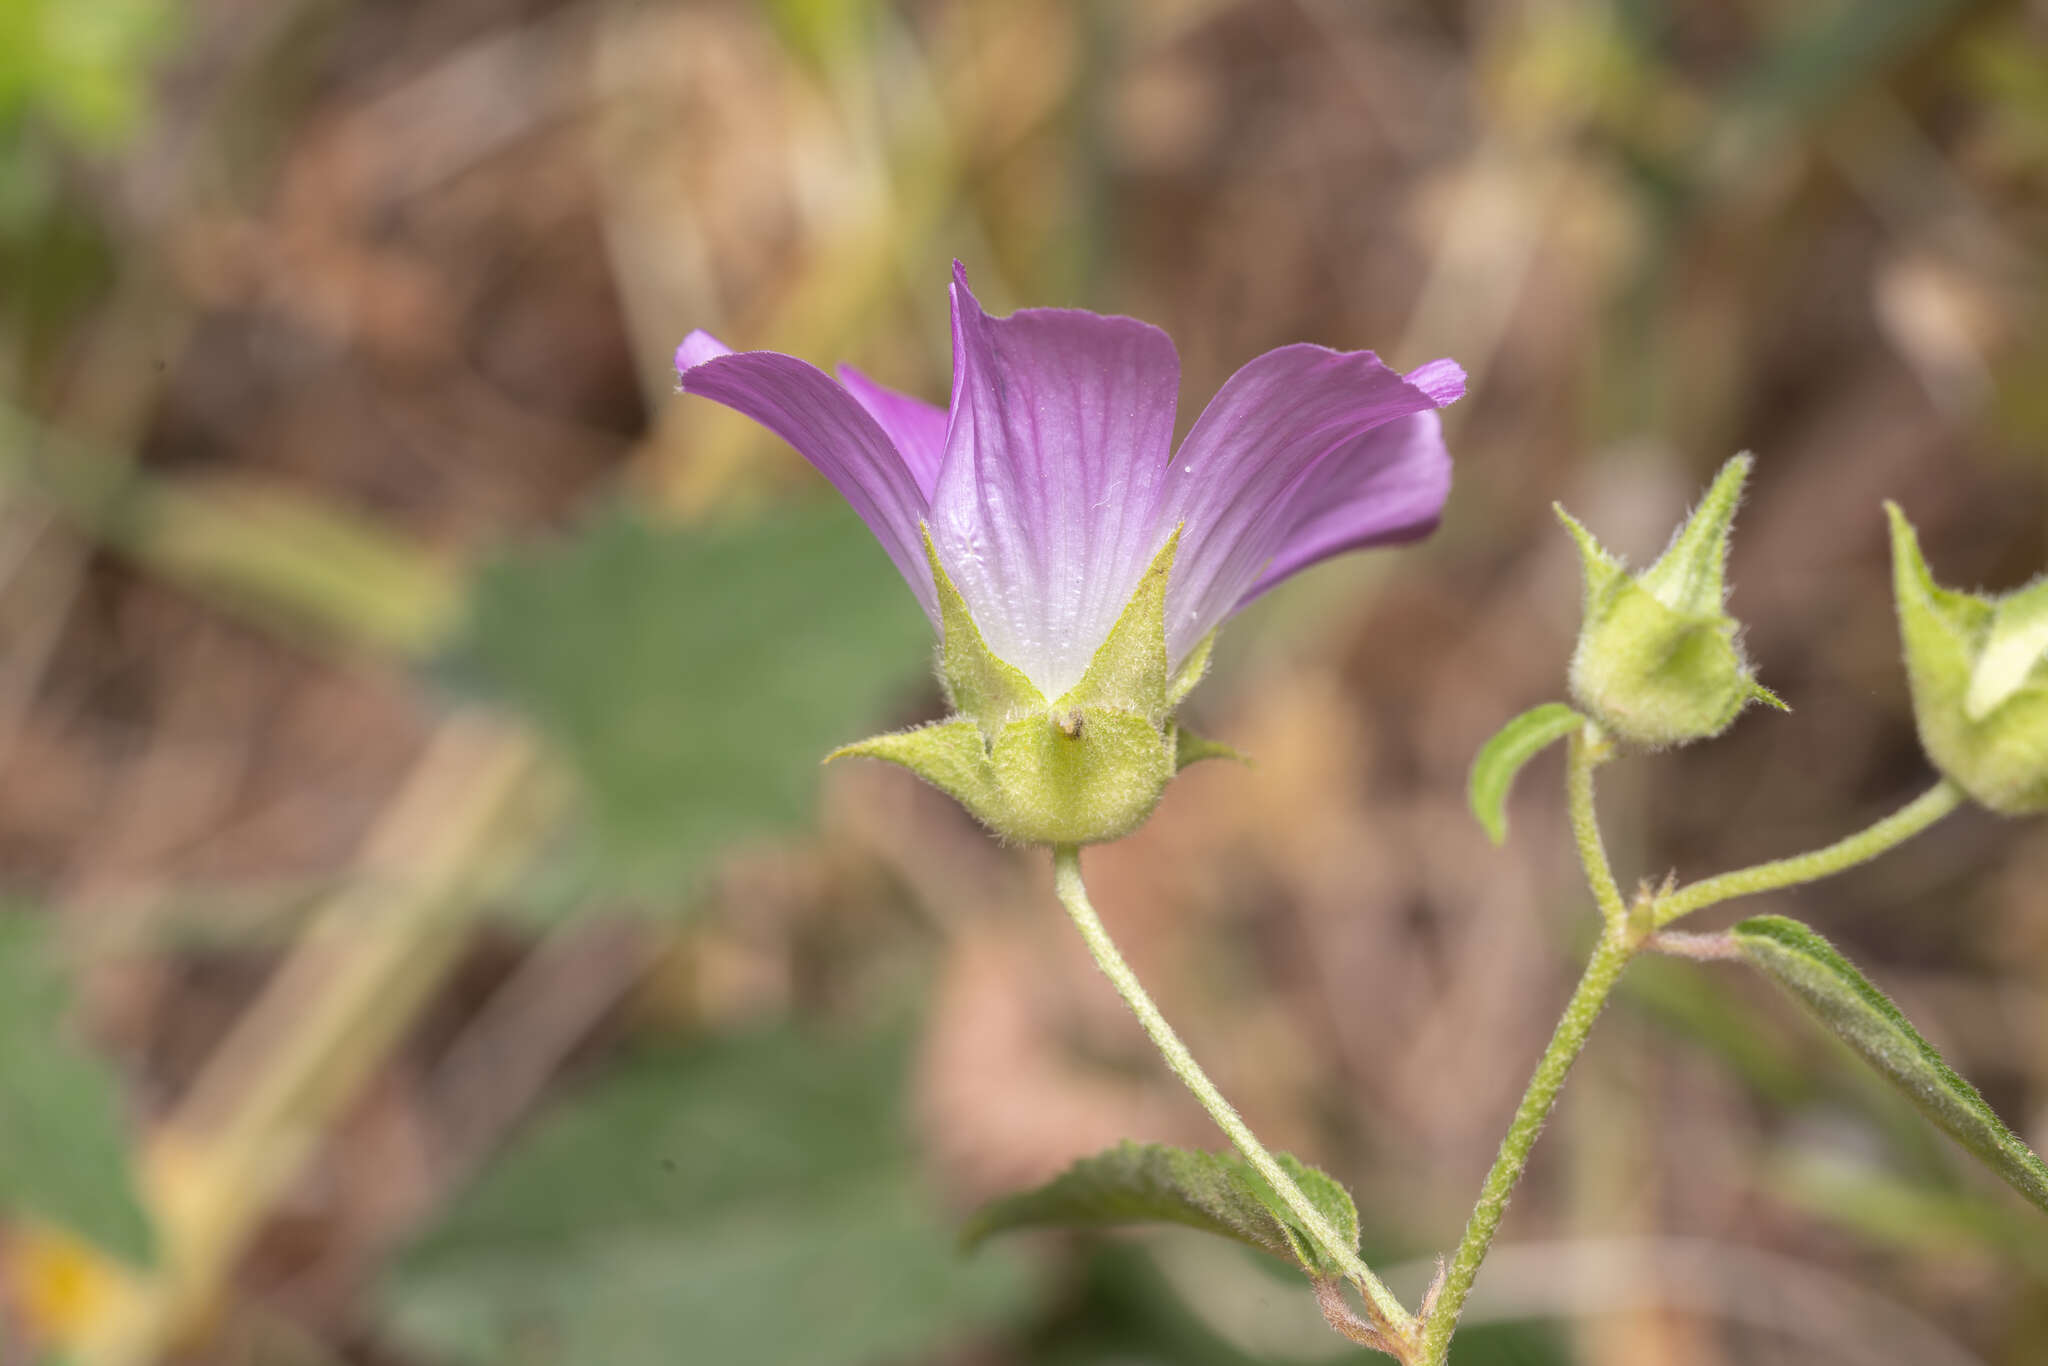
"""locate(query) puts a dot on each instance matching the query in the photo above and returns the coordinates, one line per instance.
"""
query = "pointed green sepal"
(1088, 767)
(2016, 642)
(1603, 573)
(1979, 679)
(1190, 748)
(950, 755)
(1192, 670)
(981, 687)
(1128, 671)
(1657, 660)
(1089, 776)
(1690, 577)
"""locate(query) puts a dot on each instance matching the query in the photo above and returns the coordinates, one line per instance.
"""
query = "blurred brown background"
(336, 336)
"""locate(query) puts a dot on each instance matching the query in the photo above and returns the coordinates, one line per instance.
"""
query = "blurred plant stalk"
(289, 561)
(331, 1014)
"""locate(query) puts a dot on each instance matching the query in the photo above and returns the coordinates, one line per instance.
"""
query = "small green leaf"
(63, 1145)
(1864, 1018)
(1502, 757)
(1136, 1183)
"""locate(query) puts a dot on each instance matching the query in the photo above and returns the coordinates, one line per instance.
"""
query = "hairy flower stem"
(1392, 1320)
(1617, 945)
(1895, 829)
(1623, 937)
(1590, 748)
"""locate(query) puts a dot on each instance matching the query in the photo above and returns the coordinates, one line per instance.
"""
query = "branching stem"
(1617, 945)
(1895, 829)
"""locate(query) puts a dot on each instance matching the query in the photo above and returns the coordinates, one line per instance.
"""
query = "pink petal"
(697, 348)
(1287, 465)
(1385, 487)
(917, 428)
(801, 404)
(1045, 510)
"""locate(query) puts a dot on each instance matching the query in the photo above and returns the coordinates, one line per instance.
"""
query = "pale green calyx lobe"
(1087, 766)
(1979, 679)
(1657, 661)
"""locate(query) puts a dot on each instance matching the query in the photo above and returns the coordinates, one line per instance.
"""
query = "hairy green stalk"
(1390, 1317)
(1588, 749)
(1620, 942)
(1895, 829)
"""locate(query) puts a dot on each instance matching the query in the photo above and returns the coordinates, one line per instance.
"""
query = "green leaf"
(1865, 1018)
(63, 1145)
(753, 1203)
(1502, 757)
(1136, 1183)
(695, 677)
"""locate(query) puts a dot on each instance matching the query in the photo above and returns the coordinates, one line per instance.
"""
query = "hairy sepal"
(1979, 679)
(1658, 660)
(1087, 767)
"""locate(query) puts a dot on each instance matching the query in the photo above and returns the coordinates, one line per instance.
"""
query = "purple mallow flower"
(1050, 483)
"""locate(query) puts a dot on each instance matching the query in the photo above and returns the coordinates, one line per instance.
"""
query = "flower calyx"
(1977, 665)
(1082, 768)
(1658, 662)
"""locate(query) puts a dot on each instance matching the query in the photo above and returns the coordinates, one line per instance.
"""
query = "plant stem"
(1608, 960)
(1589, 748)
(1389, 1315)
(1895, 829)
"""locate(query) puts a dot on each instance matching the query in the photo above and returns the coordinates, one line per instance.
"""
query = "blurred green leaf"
(1502, 757)
(1923, 1220)
(696, 678)
(63, 1145)
(82, 67)
(751, 1203)
(1135, 1183)
(1863, 1017)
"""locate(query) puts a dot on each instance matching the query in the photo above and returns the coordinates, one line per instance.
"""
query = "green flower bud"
(1979, 679)
(1657, 661)
(1087, 767)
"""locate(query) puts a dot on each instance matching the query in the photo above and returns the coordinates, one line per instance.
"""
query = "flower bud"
(1657, 661)
(1087, 767)
(1979, 679)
